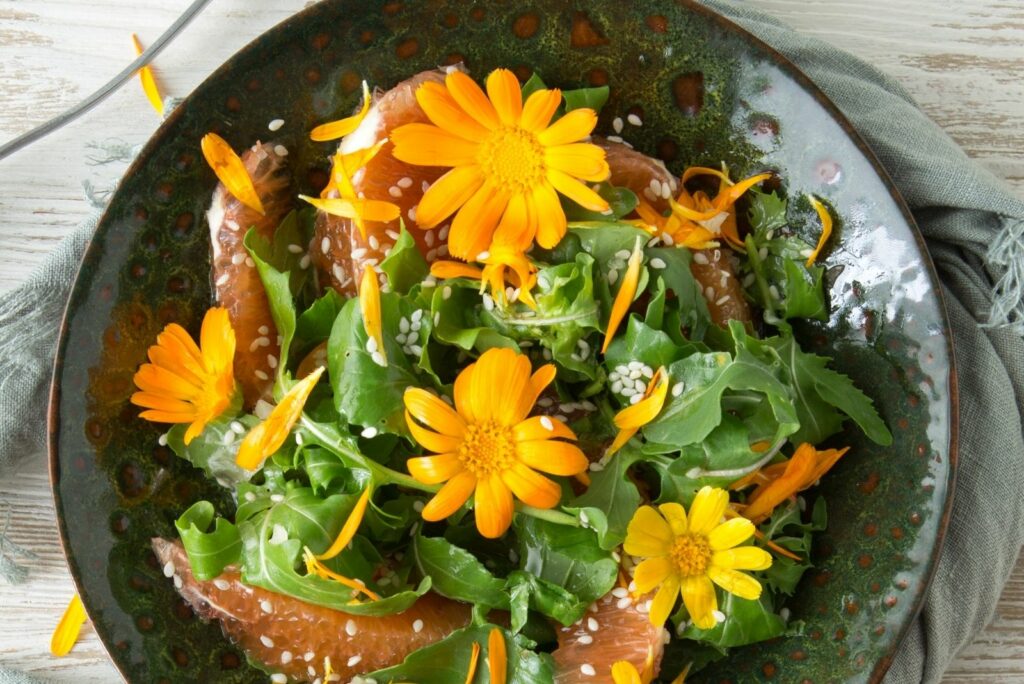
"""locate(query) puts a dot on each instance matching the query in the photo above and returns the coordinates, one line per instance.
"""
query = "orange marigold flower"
(508, 163)
(266, 438)
(185, 383)
(487, 444)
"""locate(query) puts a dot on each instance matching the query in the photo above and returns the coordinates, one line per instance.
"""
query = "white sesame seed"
(261, 375)
(379, 359)
(404, 182)
(276, 124)
(709, 293)
(719, 615)
(354, 660)
(308, 656)
(442, 232)
(425, 186)
(635, 399)
(613, 275)
(395, 191)
(412, 213)
(446, 292)
(169, 570)
(325, 245)
(237, 259)
(267, 641)
(279, 678)
(271, 361)
(223, 585)
(437, 318)
(371, 344)
(294, 248)
(658, 263)
(369, 432)
(592, 625)
(585, 639)
(784, 614)
(304, 262)
(488, 302)
(623, 603)
(615, 139)
(350, 628)
(617, 124)
(722, 300)
(700, 258)
(286, 657)
(281, 150)
(417, 506)
(431, 255)
(805, 253)
(773, 291)
(374, 242)
(266, 606)
(588, 669)
(249, 262)
(634, 120)
(417, 626)
(222, 280)
(620, 592)
(359, 253)
(546, 422)
(762, 253)
(311, 670)
(677, 389)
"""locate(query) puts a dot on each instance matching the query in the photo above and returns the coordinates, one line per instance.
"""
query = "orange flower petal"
(452, 496)
(505, 95)
(551, 456)
(266, 438)
(447, 194)
(624, 672)
(826, 229)
(580, 160)
(431, 440)
(349, 529)
(444, 112)
(531, 487)
(316, 568)
(476, 221)
(576, 191)
(149, 86)
(626, 294)
(369, 305)
(574, 126)
(230, 170)
(538, 109)
(433, 470)
(431, 411)
(474, 656)
(68, 629)
(427, 145)
(472, 99)
(551, 224)
(339, 129)
(454, 269)
(493, 506)
(537, 428)
(497, 657)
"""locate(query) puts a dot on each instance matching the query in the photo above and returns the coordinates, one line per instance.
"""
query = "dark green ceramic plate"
(706, 92)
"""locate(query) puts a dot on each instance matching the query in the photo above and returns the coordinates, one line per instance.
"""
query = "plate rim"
(724, 23)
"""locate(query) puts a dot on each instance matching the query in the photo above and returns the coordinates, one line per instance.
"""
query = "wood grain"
(962, 60)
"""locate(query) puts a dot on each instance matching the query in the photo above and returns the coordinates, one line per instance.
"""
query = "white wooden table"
(962, 59)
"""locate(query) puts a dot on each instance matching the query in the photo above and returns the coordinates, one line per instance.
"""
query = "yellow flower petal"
(584, 161)
(707, 509)
(472, 99)
(537, 428)
(447, 194)
(550, 456)
(446, 270)
(575, 125)
(675, 514)
(493, 506)
(742, 558)
(431, 440)
(475, 223)
(630, 419)
(730, 533)
(444, 112)
(433, 470)
(648, 534)
(681, 677)
(451, 497)
(474, 656)
(538, 109)
(826, 229)
(369, 305)
(68, 629)
(355, 208)
(339, 129)
(735, 582)
(266, 438)
(427, 145)
(315, 568)
(349, 529)
(505, 94)
(626, 294)
(624, 672)
(231, 171)
(530, 487)
(149, 86)
(577, 191)
(700, 600)
(551, 225)
(665, 599)
(431, 411)
(497, 657)
(652, 572)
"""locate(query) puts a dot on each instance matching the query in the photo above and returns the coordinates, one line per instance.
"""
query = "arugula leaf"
(610, 501)
(569, 557)
(746, 622)
(787, 529)
(767, 211)
(621, 201)
(209, 552)
(528, 592)
(447, 661)
(328, 473)
(404, 265)
(679, 280)
(365, 393)
(592, 98)
(642, 343)
(460, 319)
(313, 325)
(214, 449)
(456, 573)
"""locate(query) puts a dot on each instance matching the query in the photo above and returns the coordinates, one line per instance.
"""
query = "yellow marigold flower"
(686, 553)
(149, 86)
(630, 419)
(627, 292)
(488, 444)
(474, 656)
(779, 481)
(369, 305)
(185, 383)
(316, 568)
(508, 164)
(230, 170)
(266, 438)
(349, 529)
(497, 657)
(340, 198)
(339, 129)
(503, 267)
(68, 629)
(826, 228)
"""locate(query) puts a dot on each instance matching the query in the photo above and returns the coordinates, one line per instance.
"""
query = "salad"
(507, 401)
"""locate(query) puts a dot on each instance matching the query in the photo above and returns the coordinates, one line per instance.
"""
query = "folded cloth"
(974, 228)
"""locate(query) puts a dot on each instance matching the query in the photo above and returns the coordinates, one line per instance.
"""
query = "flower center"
(691, 553)
(513, 159)
(487, 448)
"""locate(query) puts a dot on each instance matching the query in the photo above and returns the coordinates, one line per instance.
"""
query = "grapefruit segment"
(339, 251)
(293, 637)
(713, 269)
(237, 284)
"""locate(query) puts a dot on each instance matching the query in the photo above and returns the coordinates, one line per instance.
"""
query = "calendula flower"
(626, 294)
(340, 198)
(508, 164)
(342, 127)
(349, 529)
(779, 481)
(149, 86)
(230, 170)
(68, 629)
(826, 229)
(503, 267)
(185, 383)
(369, 305)
(685, 554)
(317, 569)
(487, 444)
(497, 657)
(266, 438)
(630, 419)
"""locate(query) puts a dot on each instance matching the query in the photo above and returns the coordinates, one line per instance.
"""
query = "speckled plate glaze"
(706, 91)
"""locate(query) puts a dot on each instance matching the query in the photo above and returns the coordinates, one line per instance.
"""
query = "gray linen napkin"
(975, 232)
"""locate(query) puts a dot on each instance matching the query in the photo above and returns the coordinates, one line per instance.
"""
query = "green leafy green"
(610, 501)
(592, 98)
(215, 447)
(456, 573)
(209, 552)
(621, 201)
(404, 265)
(528, 592)
(746, 622)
